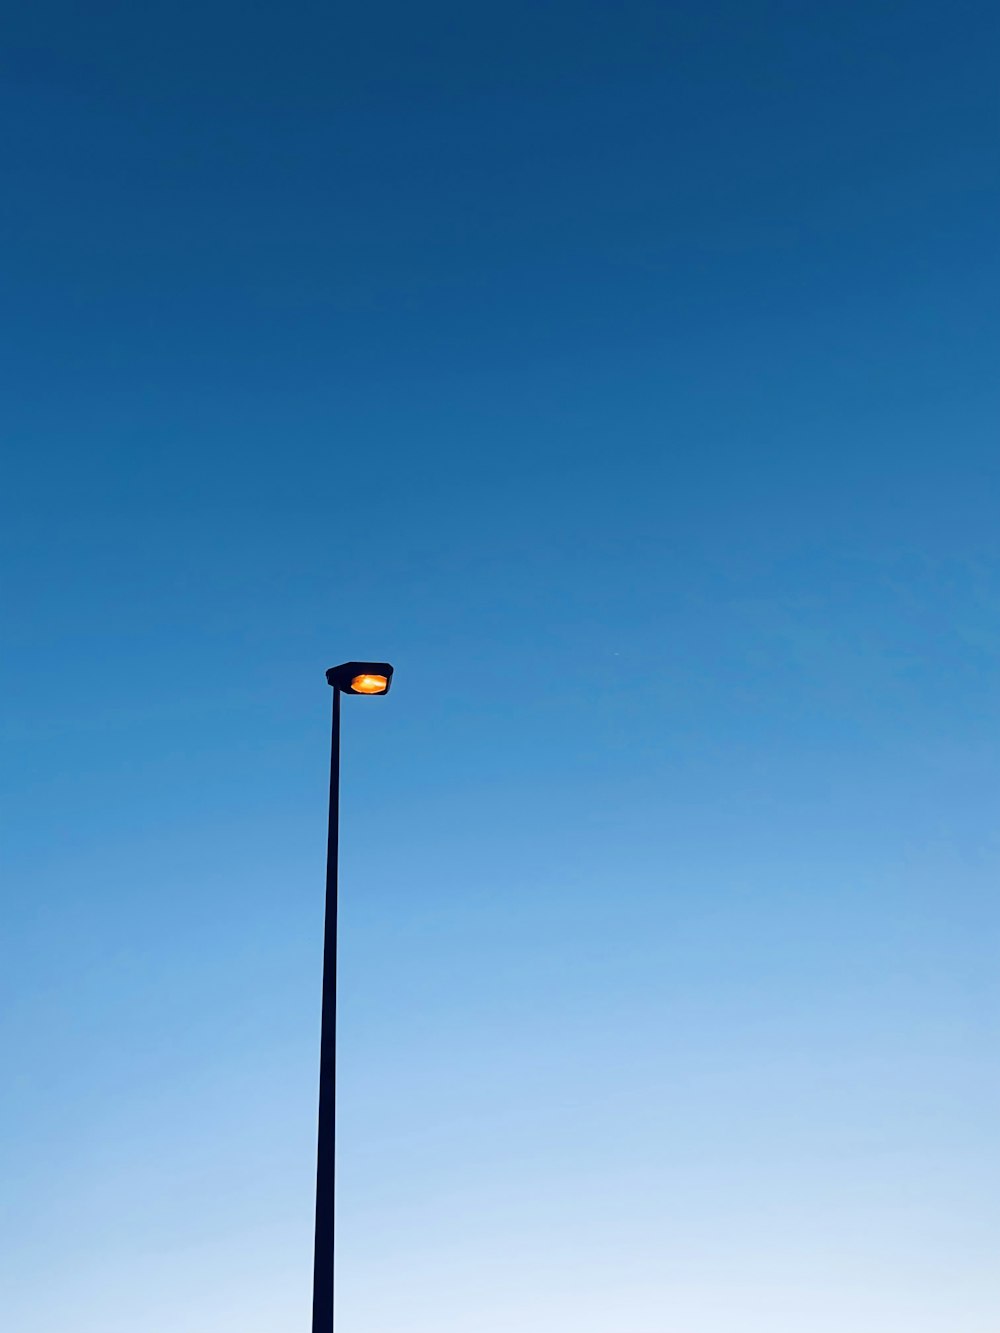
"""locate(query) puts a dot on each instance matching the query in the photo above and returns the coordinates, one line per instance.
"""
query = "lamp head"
(361, 677)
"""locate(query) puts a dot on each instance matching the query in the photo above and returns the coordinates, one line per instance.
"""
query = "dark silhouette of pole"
(351, 678)
(326, 1151)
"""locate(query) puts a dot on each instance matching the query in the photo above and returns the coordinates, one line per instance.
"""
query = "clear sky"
(626, 374)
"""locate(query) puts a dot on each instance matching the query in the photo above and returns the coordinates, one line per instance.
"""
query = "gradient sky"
(626, 374)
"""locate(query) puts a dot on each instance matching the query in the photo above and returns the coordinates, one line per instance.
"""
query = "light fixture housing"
(372, 678)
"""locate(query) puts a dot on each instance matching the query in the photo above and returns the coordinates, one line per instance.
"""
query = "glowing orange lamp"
(369, 683)
(361, 677)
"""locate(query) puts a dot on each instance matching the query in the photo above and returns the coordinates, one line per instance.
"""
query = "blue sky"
(626, 375)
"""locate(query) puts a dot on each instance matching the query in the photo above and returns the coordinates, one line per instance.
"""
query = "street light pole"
(366, 678)
(323, 1256)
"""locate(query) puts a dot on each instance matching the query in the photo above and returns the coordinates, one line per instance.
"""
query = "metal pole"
(322, 1321)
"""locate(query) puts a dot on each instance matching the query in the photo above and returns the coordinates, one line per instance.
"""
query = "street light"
(369, 678)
